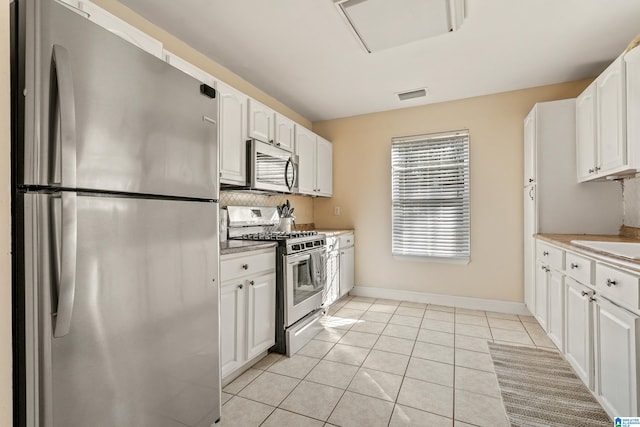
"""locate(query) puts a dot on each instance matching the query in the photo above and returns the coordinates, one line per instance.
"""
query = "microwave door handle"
(286, 173)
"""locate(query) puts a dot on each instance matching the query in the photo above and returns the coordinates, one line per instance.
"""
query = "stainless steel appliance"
(300, 273)
(116, 231)
(272, 168)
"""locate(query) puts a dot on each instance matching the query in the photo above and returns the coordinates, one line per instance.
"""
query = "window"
(430, 195)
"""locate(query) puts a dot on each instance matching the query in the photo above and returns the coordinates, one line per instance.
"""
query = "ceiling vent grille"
(412, 94)
(382, 24)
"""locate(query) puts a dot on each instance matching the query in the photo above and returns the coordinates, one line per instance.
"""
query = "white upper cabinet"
(632, 60)
(284, 132)
(611, 118)
(324, 167)
(232, 135)
(261, 118)
(530, 148)
(306, 149)
(586, 133)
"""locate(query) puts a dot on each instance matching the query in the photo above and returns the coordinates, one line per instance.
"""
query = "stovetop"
(277, 235)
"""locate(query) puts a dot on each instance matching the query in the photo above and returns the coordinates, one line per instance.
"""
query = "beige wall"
(5, 224)
(362, 186)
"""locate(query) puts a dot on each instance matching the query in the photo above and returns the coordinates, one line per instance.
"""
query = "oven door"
(272, 169)
(304, 281)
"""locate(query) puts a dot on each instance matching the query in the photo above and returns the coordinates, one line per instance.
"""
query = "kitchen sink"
(623, 249)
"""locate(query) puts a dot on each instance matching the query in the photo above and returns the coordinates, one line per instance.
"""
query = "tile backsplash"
(303, 205)
(631, 202)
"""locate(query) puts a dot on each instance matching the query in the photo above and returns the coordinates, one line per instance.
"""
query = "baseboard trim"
(440, 299)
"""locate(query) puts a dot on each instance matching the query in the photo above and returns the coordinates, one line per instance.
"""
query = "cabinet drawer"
(239, 265)
(580, 268)
(346, 240)
(621, 287)
(549, 255)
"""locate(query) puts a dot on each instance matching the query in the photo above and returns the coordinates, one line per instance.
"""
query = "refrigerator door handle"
(67, 263)
(66, 112)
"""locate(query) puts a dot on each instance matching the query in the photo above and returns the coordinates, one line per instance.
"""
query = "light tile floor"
(384, 363)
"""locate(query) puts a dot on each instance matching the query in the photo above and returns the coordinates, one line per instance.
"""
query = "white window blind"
(430, 195)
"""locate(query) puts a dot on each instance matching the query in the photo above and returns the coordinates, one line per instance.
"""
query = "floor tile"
(334, 374)
(356, 410)
(347, 354)
(242, 381)
(480, 410)
(387, 362)
(438, 325)
(224, 397)
(313, 400)
(347, 313)
(357, 305)
(477, 381)
(270, 389)
(388, 301)
(428, 370)
(534, 328)
(364, 299)
(404, 416)
(398, 331)
(315, 348)
(376, 316)
(282, 418)
(330, 335)
(506, 324)
(439, 353)
(394, 345)
(413, 304)
(427, 396)
(359, 339)
(457, 423)
(399, 319)
(506, 316)
(410, 311)
(267, 361)
(470, 311)
(383, 308)
(378, 384)
(474, 360)
(542, 340)
(244, 413)
(511, 336)
(473, 330)
(337, 322)
(469, 319)
(435, 337)
(527, 319)
(439, 315)
(437, 307)
(368, 326)
(295, 366)
(472, 343)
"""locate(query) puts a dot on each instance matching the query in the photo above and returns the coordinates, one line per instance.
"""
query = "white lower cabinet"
(247, 308)
(616, 352)
(579, 332)
(542, 294)
(555, 326)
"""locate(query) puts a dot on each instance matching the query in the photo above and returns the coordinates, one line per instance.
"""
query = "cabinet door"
(556, 308)
(233, 135)
(530, 228)
(530, 148)
(261, 314)
(616, 357)
(232, 302)
(611, 110)
(306, 151)
(260, 121)
(284, 132)
(324, 167)
(332, 291)
(586, 133)
(632, 72)
(541, 295)
(347, 270)
(579, 331)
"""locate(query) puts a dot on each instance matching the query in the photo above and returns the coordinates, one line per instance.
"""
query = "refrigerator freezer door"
(142, 347)
(113, 117)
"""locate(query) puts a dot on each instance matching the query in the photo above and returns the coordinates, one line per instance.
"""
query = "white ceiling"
(302, 53)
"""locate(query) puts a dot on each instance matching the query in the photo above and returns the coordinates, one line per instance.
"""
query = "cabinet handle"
(591, 170)
(245, 266)
(574, 265)
(598, 168)
(611, 282)
(530, 179)
(278, 144)
(271, 141)
(543, 268)
(240, 286)
(592, 299)
(545, 253)
(252, 283)
(584, 293)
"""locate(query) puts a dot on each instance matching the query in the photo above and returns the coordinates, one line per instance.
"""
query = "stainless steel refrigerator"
(116, 230)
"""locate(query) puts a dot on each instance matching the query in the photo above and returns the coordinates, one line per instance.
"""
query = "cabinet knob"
(240, 286)
(598, 168)
(252, 283)
(245, 266)
(545, 253)
(530, 179)
(611, 282)
(278, 144)
(574, 266)
(592, 299)
(584, 293)
(591, 170)
(271, 141)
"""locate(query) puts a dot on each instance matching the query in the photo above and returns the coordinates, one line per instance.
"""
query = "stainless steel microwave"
(271, 168)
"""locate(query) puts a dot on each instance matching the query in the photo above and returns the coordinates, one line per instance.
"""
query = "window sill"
(432, 259)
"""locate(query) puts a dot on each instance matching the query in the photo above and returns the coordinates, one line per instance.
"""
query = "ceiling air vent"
(381, 24)
(412, 94)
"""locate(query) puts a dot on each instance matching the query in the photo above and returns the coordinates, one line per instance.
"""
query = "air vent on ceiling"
(412, 94)
(381, 24)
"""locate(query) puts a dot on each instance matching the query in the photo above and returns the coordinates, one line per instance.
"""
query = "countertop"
(235, 246)
(564, 241)
(334, 232)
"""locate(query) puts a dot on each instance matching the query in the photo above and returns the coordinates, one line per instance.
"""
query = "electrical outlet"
(336, 210)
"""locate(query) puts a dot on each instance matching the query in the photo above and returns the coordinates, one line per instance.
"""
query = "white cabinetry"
(347, 262)
(632, 59)
(555, 326)
(268, 126)
(232, 131)
(315, 161)
(284, 136)
(247, 314)
(579, 332)
(586, 133)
